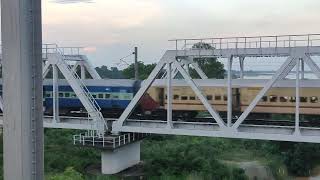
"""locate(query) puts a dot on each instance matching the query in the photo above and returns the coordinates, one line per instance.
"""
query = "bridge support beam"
(55, 93)
(241, 62)
(117, 160)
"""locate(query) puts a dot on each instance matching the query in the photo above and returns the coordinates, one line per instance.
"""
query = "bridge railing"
(282, 41)
(107, 142)
(66, 51)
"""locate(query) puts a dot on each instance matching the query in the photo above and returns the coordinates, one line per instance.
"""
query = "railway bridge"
(119, 138)
(23, 121)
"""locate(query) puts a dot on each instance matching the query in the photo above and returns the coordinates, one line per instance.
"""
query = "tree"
(209, 65)
(202, 45)
(112, 73)
(144, 70)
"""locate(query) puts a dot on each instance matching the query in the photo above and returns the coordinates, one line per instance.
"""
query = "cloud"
(90, 49)
(101, 22)
(114, 27)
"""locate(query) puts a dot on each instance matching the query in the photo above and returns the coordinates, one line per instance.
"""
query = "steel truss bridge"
(298, 50)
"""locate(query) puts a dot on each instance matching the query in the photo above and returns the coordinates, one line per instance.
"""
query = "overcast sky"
(109, 29)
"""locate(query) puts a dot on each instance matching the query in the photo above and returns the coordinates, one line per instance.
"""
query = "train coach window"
(184, 97)
(225, 98)
(303, 99)
(176, 97)
(284, 99)
(273, 98)
(209, 97)
(100, 96)
(60, 94)
(192, 98)
(313, 99)
(67, 95)
(115, 97)
(73, 95)
(48, 94)
(94, 95)
(292, 99)
(107, 96)
(264, 99)
(217, 98)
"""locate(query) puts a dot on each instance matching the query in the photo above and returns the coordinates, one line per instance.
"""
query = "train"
(114, 95)
(278, 100)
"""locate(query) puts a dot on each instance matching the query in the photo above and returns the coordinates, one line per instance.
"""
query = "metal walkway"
(298, 49)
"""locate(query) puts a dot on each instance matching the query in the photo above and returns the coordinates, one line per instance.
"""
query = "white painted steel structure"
(58, 58)
(297, 49)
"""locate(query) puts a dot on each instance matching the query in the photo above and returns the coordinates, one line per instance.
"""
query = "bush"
(184, 156)
(68, 174)
(301, 158)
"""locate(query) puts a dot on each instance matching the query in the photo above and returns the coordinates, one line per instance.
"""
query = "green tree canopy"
(202, 45)
(112, 73)
(209, 65)
(144, 70)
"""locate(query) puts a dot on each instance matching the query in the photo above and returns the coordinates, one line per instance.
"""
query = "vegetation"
(181, 157)
(209, 65)
(144, 70)
(68, 174)
(112, 73)
(176, 156)
(184, 157)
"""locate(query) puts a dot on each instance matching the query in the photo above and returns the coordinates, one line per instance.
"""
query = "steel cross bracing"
(297, 49)
(57, 58)
(69, 54)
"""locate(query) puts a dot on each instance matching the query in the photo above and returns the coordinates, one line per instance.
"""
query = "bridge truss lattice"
(298, 50)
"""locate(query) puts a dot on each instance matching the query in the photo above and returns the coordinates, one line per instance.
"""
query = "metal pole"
(302, 69)
(241, 59)
(297, 118)
(136, 65)
(186, 66)
(229, 115)
(169, 95)
(22, 76)
(83, 71)
(55, 94)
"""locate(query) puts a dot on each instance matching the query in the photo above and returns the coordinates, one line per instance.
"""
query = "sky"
(109, 29)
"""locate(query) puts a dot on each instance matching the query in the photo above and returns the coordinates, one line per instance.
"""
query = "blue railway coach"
(112, 95)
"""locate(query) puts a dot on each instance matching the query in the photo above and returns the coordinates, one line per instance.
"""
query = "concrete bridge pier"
(118, 152)
(117, 160)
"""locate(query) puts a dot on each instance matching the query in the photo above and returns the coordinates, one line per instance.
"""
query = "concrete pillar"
(117, 160)
(22, 91)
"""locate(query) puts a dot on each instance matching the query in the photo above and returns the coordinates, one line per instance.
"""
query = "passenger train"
(114, 95)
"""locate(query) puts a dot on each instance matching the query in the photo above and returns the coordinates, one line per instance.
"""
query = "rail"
(281, 41)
